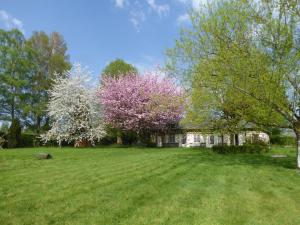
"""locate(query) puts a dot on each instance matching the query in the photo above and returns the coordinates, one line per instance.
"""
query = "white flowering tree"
(74, 113)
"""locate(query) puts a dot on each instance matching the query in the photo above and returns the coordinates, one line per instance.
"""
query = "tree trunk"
(119, 138)
(139, 138)
(13, 109)
(38, 124)
(298, 149)
(81, 144)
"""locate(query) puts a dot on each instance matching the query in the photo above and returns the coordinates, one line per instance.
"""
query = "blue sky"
(98, 32)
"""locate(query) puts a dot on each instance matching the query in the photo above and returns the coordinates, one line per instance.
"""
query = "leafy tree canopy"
(15, 72)
(73, 109)
(241, 58)
(141, 103)
(50, 60)
(118, 68)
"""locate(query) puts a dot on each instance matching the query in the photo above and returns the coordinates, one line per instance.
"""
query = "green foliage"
(228, 66)
(29, 140)
(257, 147)
(277, 138)
(50, 60)
(15, 68)
(27, 68)
(4, 127)
(283, 140)
(128, 137)
(14, 134)
(275, 131)
(221, 58)
(118, 68)
(2, 142)
(242, 62)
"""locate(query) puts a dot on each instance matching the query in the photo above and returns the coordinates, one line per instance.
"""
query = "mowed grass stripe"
(137, 196)
(65, 196)
(55, 171)
(83, 175)
(100, 181)
(74, 171)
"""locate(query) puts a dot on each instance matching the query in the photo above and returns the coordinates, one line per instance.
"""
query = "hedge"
(282, 140)
(246, 148)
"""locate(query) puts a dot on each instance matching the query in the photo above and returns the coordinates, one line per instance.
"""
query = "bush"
(256, 147)
(14, 134)
(107, 140)
(3, 137)
(4, 128)
(282, 140)
(28, 140)
(128, 137)
(2, 142)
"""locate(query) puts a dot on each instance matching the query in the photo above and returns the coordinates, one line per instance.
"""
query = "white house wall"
(205, 138)
(261, 136)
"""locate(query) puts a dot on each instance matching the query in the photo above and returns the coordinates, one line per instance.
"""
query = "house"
(191, 136)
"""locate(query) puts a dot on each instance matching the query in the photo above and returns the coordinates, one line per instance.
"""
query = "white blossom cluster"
(73, 110)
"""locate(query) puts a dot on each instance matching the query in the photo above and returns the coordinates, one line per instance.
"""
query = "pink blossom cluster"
(141, 102)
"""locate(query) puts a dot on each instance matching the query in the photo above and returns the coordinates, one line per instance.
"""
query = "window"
(183, 139)
(196, 138)
(211, 139)
(236, 136)
(255, 137)
(221, 140)
(171, 138)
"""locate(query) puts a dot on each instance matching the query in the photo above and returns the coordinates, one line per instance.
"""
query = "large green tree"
(15, 69)
(118, 68)
(242, 57)
(50, 60)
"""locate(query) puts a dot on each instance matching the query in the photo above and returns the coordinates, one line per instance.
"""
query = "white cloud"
(10, 21)
(120, 3)
(137, 16)
(195, 4)
(140, 10)
(184, 18)
(159, 9)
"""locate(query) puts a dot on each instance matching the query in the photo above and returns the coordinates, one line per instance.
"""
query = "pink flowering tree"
(143, 104)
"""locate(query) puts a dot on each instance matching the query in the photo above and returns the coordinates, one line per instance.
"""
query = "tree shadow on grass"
(240, 159)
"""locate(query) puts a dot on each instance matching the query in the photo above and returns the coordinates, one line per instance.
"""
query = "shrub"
(4, 128)
(3, 137)
(282, 140)
(129, 138)
(256, 147)
(14, 134)
(107, 140)
(2, 142)
(28, 140)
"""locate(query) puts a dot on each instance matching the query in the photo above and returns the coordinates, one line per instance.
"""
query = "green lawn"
(147, 186)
